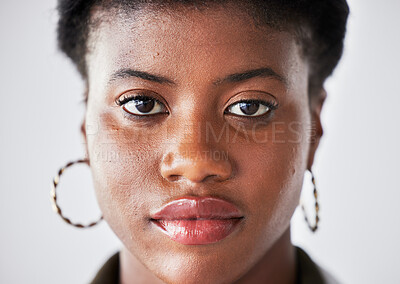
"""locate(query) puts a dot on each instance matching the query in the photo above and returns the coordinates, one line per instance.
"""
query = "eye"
(141, 105)
(250, 108)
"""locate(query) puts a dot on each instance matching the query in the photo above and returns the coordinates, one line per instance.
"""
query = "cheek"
(271, 170)
(123, 166)
(276, 185)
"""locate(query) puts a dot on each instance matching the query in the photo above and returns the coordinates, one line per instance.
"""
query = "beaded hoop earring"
(314, 227)
(53, 194)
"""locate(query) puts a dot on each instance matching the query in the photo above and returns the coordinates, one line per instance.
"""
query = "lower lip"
(198, 232)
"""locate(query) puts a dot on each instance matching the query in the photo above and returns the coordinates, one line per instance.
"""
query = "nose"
(191, 157)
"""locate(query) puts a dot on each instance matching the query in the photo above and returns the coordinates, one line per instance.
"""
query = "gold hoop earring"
(314, 227)
(53, 194)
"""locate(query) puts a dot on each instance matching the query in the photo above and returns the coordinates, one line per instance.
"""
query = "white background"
(357, 166)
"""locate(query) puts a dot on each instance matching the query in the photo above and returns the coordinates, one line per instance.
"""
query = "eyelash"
(272, 105)
(127, 98)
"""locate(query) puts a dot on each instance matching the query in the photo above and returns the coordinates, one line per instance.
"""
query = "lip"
(197, 220)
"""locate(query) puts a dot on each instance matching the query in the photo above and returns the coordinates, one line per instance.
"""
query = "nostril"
(175, 168)
(213, 177)
(173, 177)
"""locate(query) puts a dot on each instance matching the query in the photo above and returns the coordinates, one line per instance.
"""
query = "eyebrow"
(232, 78)
(243, 76)
(127, 73)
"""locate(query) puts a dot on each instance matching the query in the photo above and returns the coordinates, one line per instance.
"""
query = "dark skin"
(189, 61)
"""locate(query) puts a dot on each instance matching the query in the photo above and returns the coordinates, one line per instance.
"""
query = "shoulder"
(310, 272)
(328, 278)
(109, 272)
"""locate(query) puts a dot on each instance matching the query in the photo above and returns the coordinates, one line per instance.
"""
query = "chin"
(225, 261)
(196, 270)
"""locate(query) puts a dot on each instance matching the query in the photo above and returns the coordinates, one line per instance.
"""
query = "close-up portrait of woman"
(185, 141)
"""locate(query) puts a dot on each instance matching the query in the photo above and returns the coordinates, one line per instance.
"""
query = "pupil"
(249, 108)
(144, 105)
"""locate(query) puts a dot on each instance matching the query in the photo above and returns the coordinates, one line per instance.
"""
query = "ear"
(83, 124)
(83, 132)
(316, 130)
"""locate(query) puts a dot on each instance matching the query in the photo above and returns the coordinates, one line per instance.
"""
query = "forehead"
(208, 42)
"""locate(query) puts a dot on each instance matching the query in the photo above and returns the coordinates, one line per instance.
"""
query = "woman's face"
(223, 113)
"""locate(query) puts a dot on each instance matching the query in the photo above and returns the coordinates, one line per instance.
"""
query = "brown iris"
(145, 105)
(249, 108)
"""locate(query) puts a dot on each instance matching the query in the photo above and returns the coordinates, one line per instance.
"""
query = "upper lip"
(197, 208)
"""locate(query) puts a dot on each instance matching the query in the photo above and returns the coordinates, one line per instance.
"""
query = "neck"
(277, 266)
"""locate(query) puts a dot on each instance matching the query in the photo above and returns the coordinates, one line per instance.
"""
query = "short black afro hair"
(319, 25)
